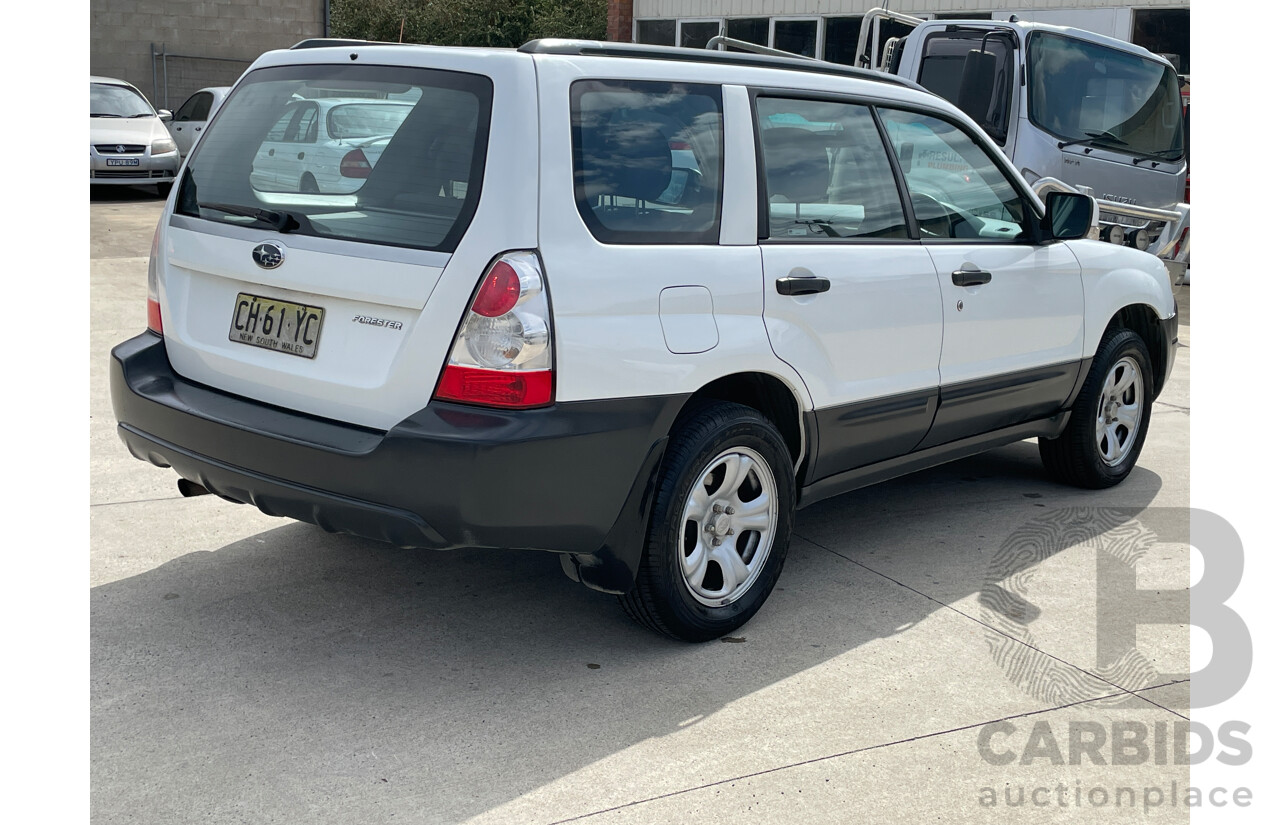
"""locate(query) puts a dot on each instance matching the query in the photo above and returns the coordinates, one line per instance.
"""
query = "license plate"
(122, 161)
(277, 325)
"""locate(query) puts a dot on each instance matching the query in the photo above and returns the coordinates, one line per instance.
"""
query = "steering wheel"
(934, 218)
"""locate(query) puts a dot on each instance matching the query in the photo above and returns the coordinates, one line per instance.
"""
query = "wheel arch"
(771, 396)
(1145, 321)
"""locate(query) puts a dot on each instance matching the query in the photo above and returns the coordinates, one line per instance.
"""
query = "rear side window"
(647, 160)
(373, 154)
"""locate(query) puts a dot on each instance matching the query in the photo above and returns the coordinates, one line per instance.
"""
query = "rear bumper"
(571, 478)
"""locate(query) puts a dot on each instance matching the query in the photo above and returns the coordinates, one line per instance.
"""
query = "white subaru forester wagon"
(628, 304)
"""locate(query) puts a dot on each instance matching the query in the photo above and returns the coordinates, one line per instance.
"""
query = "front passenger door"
(1013, 310)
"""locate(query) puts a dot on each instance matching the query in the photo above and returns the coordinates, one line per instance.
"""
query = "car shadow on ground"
(296, 671)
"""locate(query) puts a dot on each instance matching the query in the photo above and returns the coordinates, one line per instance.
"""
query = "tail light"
(501, 356)
(355, 165)
(154, 322)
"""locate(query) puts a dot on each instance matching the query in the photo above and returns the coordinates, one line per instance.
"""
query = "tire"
(308, 185)
(693, 589)
(1109, 419)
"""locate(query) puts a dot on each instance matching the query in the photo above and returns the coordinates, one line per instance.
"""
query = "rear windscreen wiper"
(1091, 137)
(280, 220)
(1164, 154)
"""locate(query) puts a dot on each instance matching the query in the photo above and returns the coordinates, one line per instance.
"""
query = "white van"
(632, 305)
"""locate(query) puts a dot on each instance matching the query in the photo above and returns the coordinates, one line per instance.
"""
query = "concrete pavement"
(252, 669)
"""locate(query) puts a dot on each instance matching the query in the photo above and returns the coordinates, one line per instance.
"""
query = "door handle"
(302, 155)
(970, 277)
(802, 285)
(197, 128)
(271, 152)
(177, 128)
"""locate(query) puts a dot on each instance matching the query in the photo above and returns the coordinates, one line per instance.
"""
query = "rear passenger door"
(1013, 307)
(851, 301)
(189, 120)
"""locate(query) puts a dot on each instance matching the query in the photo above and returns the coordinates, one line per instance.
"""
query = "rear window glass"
(373, 154)
(647, 160)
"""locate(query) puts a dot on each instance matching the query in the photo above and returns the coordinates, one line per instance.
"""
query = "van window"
(1118, 101)
(986, 93)
(372, 154)
(827, 174)
(647, 160)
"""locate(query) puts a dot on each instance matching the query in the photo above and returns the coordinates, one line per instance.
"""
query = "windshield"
(109, 100)
(373, 154)
(1090, 93)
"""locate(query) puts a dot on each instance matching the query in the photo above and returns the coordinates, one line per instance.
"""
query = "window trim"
(820, 30)
(680, 22)
(606, 235)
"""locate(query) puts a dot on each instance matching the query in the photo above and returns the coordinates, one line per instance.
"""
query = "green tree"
(470, 23)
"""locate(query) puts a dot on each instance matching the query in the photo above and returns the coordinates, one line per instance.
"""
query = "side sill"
(855, 479)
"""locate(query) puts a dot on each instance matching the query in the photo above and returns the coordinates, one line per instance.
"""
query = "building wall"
(777, 8)
(1115, 18)
(123, 31)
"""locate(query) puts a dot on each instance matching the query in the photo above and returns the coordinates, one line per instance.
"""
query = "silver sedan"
(128, 142)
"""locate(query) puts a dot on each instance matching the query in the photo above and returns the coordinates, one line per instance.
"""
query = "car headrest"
(796, 164)
(625, 158)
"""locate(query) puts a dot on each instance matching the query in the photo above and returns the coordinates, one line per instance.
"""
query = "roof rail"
(323, 42)
(596, 48)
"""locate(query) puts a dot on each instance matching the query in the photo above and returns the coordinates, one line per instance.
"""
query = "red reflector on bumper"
(153, 317)
(511, 389)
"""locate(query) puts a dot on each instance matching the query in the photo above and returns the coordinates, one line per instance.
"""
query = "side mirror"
(977, 84)
(1069, 215)
(165, 115)
(906, 152)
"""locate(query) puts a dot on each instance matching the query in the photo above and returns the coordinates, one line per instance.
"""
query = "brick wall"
(620, 20)
(122, 31)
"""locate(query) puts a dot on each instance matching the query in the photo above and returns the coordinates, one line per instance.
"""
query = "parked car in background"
(128, 143)
(326, 145)
(192, 116)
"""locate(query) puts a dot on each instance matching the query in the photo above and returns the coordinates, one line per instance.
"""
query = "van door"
(851, 302)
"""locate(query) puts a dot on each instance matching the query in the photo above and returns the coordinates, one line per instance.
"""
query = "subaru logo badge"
(268, 255)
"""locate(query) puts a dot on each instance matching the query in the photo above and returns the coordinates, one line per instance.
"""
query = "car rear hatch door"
(343, 303)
